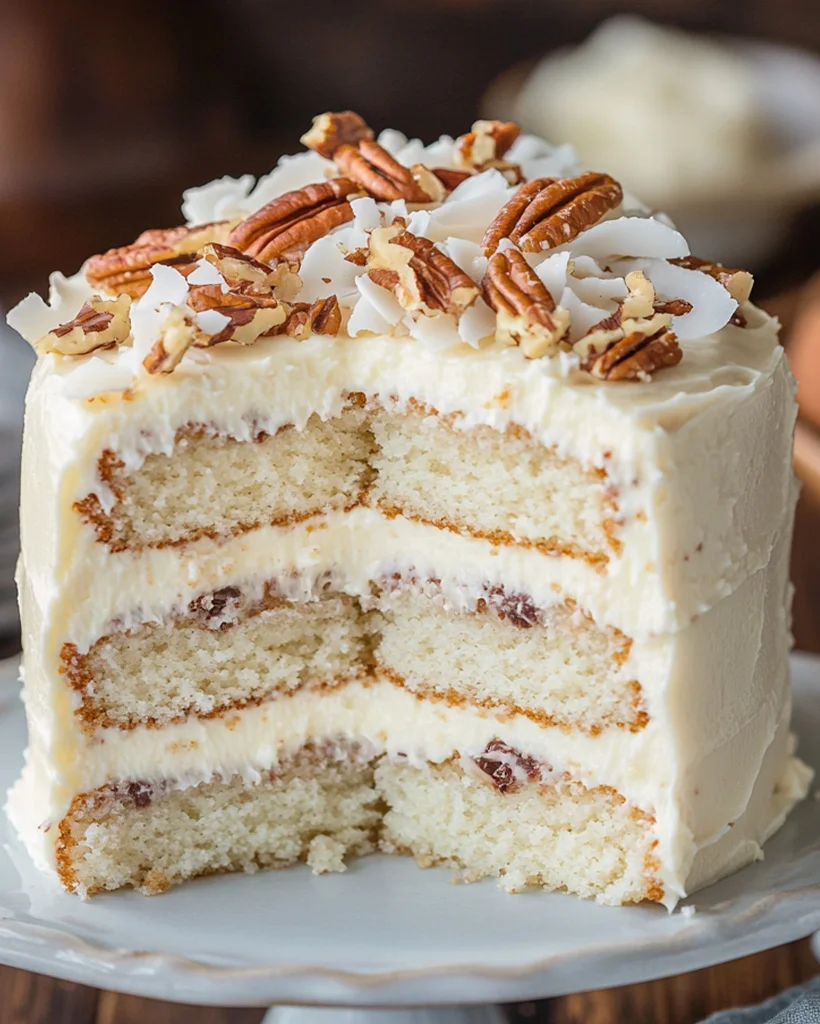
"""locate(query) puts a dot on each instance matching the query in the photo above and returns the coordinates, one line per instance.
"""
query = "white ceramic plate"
(385, 933)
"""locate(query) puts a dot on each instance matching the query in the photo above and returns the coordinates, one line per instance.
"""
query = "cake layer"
(319, 806)
(241, 645)
(223, 653)
(501, 814)
(686, 537)
(563, 836)
(504, 486)
(280, 479)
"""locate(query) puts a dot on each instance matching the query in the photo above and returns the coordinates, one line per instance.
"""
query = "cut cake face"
(432, 499)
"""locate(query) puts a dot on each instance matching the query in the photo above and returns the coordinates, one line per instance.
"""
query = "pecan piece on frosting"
(639, 354)
(177, 337)
(324, 316)
(526, 312)
(101, 323)
(383, 177)
(249, 315)
(126, 271)
(421, 276)
(332, 130)
(486, 143)
(547, 212)
(291, 223)
(738, 283)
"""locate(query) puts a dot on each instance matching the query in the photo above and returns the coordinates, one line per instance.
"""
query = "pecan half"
(547, 212)
(527, 314)
(638, 355)
(101, 323)
(289, 224)
(380, 174)
(324, 316)
(488, 141)
(738, 283)
(126, 271)
(422, 277)
(330, 131)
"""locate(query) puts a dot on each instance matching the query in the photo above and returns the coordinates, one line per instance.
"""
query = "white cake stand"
(385, 934)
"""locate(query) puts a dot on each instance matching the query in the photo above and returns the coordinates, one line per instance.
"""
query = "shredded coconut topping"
(321, 225)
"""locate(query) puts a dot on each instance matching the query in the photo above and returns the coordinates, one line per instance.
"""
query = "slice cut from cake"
(434, 500)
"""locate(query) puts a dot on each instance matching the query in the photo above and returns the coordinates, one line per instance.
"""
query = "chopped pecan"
(126, 271)
(324, 316)
(635, 313)
(547, 212)
(332, 130)
(357, 256)
(240, 270)
(101, 323)
(177, 337)
(507, 767)
(486, 143)
(451, 178)
(249, 315)
(421, 276)
(675, 307)
(527, 314)
(738, 283)
(638, 355)
(382, 176)
(289, 224)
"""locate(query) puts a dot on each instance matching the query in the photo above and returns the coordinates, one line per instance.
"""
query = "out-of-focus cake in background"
(433, 499)
(721, 133)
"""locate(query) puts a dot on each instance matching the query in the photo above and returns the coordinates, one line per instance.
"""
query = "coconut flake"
(440, 153)
(467, 256)
(418, 223)
(411, 153)
(398, 208)
(366, 215)
(469, 209)
(325, 271)
(32, 317)
(366, 319)
(167, 286)
(207, 273)
(383, 301)
(712, 305)
(95, 376)
(553, 272)
(290, 174)
(477, 323)
(393, 141)
(211, 321)
(643, 237)
(222, 199)
(436, 332)
(583, 315)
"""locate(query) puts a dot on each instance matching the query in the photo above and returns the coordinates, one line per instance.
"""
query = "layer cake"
(434, 500)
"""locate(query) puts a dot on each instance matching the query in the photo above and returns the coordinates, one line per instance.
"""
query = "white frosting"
(698, 459)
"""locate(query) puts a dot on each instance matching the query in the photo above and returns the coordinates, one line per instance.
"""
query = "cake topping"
(738, 283)
(126, 271)
(100, 323)
(420, 276)
(545, 213)
(365, 235)
(330, 131)
(286, 226)
(486, 144)
(527, 314)
(383, 177)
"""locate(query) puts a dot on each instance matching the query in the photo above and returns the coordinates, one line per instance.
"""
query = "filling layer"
(503, 486)
(501, 814)
(233, 647)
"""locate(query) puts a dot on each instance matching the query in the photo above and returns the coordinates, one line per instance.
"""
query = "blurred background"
(707, 108)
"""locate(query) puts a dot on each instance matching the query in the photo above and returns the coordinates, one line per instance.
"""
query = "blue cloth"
(798, 1005)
